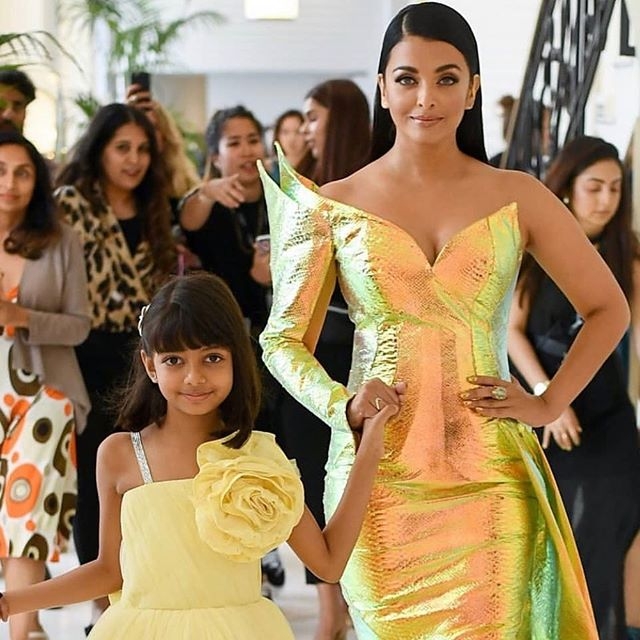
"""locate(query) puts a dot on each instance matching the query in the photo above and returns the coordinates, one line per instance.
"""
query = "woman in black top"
(593, 447)
(223, 217)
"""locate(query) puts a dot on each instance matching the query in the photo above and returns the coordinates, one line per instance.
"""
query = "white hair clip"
(141, 318)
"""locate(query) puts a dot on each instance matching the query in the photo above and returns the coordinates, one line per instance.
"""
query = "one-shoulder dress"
(191, 548)
(465, 535)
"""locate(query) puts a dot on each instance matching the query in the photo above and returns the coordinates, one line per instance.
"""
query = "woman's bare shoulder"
(349, 189)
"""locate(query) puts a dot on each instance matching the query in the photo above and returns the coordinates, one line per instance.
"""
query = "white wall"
(614, 102)
(269, 66)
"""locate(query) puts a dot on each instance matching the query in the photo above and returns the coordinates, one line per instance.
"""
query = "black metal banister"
(569, 38)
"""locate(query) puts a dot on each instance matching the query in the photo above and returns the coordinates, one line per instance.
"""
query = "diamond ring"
(377, 403)
(499, 393)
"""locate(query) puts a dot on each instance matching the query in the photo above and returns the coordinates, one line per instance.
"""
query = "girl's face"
(427, 87)
(595, 196)
(240, 148)
(17, 181)
(126, 158)
(314, 128)
(290, 137)
(194, 382)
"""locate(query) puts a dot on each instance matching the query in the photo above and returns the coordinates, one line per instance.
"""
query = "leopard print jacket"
(119, 283)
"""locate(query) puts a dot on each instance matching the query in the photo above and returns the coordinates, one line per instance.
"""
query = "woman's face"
(595, 196)
(126, 158)
(314, 128)
(291, 138)
(427, 87)
(240, 148)
(17, 181)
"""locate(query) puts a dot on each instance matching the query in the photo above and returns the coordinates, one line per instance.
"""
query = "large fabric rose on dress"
(246, 500)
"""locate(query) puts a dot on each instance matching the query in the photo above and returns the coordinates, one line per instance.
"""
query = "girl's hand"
(372, 438)
(496, 398)
(371, 398)
(4, 608)
(227, 191)
(565, 430)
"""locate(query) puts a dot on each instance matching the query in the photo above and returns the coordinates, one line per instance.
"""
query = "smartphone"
(142, 78)
(263, 243)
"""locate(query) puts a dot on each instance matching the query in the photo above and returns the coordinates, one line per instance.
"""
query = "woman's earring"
(566, 200)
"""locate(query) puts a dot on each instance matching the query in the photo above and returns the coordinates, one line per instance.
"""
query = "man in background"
(16, 92)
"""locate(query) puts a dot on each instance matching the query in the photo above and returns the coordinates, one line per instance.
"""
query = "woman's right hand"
(371, 398)
(565, 431)
(227, 191)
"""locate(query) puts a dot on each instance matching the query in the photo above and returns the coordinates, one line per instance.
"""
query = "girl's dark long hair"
(84, 171)
(432, 21)
(618, 243)
(348, 130)
(40, 225)
(190, 312)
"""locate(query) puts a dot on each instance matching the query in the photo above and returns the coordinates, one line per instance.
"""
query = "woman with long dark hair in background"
(593, 446)
(44, 312)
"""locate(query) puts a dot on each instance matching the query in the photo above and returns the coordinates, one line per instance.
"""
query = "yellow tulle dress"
(191, 549)
(465, 535)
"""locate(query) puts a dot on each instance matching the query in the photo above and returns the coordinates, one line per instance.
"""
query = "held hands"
(565, 430)
(372, 438)
(496, 398)
(371, 398)
(227, 191)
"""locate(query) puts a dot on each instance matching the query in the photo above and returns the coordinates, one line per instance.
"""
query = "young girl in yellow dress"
(190, 497)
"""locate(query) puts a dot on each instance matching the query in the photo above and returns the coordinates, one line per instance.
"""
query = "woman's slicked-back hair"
(190, 312)
(618, 243)
(348, 130)
(432, 21)
(41, 222)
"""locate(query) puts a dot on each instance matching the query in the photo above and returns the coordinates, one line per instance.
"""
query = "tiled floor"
(297, 600)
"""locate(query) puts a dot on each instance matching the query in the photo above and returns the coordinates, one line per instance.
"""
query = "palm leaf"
(31, 47)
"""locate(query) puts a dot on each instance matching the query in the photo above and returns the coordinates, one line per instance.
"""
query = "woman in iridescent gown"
(465, 536)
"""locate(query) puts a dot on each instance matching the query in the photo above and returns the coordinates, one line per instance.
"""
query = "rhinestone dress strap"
(141, 457)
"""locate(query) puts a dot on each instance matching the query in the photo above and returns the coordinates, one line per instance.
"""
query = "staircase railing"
(569, 38)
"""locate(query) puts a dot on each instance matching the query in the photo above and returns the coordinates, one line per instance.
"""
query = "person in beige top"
(44, 312)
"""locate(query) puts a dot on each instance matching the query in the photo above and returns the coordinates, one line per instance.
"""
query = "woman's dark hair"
(215, 131)
(215, 128)
(291, 113)
(618, 243)
(40, 225)
(306, 165)
(348, 130)
(431, 21)
(190, 312)
(84, 171)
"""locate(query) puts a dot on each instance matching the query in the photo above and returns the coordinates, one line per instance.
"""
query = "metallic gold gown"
(465, 536)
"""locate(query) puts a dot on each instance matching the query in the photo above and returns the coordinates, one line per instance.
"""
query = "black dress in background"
(599, 480)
